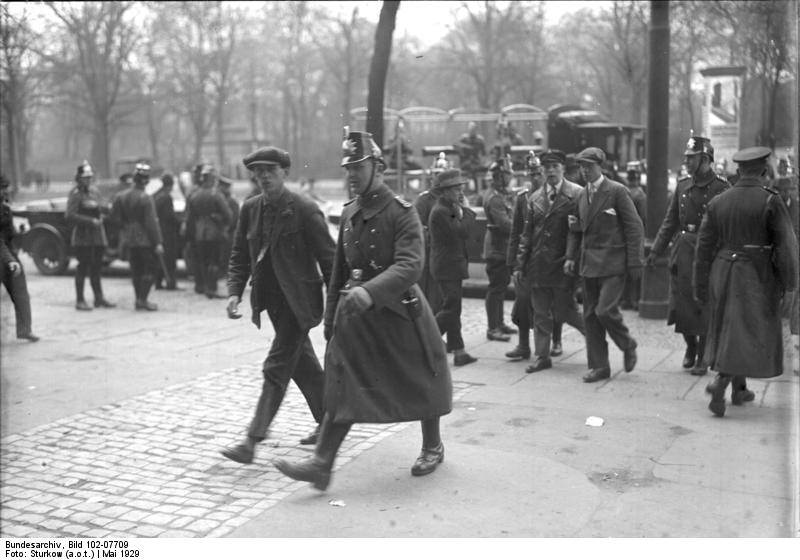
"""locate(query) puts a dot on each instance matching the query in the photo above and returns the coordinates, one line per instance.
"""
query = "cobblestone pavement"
(150, 466)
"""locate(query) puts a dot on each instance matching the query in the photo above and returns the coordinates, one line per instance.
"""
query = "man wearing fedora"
(746, 261)
(679, 228)
(607, 242)
(449, 226)
(281, 243)
(542, 253)
(385, 361)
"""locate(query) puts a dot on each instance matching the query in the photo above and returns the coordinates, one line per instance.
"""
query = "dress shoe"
(308, 471)
(428, 460)
(83, 306)
(496, 334)
(630, 358)
(463, 359)
(699, 369)
(311, 439)
(145, 306)
(104, 303)
(717, 391)
(33, 338)
(519, 353)
(240, 453)
(597, 374)
(556, 350)
(505, 329)
(741, 396)
(539, 364)
(688, 359)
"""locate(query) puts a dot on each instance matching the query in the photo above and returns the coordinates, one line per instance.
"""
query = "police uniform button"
(733, 256)
(356, 242)
(372, 246)
(373, 230)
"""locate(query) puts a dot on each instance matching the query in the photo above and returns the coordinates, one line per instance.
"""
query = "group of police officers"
(733, 260)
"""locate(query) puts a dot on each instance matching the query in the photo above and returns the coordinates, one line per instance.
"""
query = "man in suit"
(140, 236)
(168, 221)
(541, 256)
(449, 226)
(609, 233)
(282, 243)
(208, 218)
(498, 205)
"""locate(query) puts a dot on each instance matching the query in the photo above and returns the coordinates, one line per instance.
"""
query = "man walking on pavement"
(282, 243)
(607, 241)
(208, 218)
(449, 227)
(385, 360)
(680, 226)
(541, 256)
(746, 261)
(140, 235)
(498, 205)
(170, 226)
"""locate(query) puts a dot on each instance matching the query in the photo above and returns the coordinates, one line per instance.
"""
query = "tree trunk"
(378, 68)
(220, 114)
(101, 138)
(14, 176)
(153, 130)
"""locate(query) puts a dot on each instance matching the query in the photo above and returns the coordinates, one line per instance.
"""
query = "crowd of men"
(389, 289)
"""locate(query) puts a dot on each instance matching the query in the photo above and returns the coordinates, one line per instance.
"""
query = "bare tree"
(103, 38)
(378, 68)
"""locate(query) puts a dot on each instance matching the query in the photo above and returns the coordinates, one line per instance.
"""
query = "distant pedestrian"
(385, 360)
(472, 154)
(225, 186)
(12, 274)
(679, 231)
(747, 260)
(282, 246)
(632, 293)
(543, 250)
(498, 206)
(607, 242)
(170, 228)
(140, 237)
(85, 212)
(449, 226)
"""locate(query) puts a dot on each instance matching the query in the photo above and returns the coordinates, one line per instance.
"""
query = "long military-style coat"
(424, 205)
(517, 225)
(376, 367)
(679, 228)
(300, 248)
(135, 211)
(608, 236)
(165, 211)
(499, 209)
(545, 237)
(449, 234)
(746, 259)
(83, 207)
(208, 216)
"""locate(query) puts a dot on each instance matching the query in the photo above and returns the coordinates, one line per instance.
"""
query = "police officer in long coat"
(679, 228)
(385, 360)
(746, 261)
(170, 226)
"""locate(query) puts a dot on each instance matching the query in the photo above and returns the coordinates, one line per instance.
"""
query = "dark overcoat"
(679, 230)
(83, 207)
(517, 225)
(134, 211)
(608, 236)
(165, 210)
(746, 258)
(545, 237)
(499, 209)
(424, 205)
(208, 216)
(449, 234)
(376, 368)
(300, 247)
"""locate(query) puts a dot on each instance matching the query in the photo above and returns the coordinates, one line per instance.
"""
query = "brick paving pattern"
(150, 466)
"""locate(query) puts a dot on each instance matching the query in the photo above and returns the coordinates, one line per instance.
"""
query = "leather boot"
(317, 470)
(740, 394)
(689, 357)
(717, 391)
(432, 449)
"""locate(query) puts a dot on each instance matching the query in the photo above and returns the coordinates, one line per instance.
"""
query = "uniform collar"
(704, 180)
(374, 201)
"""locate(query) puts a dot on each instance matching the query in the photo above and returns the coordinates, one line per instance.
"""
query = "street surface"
(113, 422)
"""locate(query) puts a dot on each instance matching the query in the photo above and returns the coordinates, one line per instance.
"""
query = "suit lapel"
(598, 201)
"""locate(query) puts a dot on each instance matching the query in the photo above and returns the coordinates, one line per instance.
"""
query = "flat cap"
(752, 155)
(268, 155)
(553, 156)
(448, 178)
(591, 155)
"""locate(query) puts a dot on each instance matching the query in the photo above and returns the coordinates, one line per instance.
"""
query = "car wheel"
(49, 254)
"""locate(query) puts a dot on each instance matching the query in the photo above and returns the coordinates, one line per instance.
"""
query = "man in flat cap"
(679, 228)
(449, 227)
(608, 244)
(281, 243)
(385, 360)
(746, 261)
(542, 253)
(140, 235)
(208, 218)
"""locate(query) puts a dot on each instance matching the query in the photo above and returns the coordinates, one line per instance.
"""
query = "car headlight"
(21, 225)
